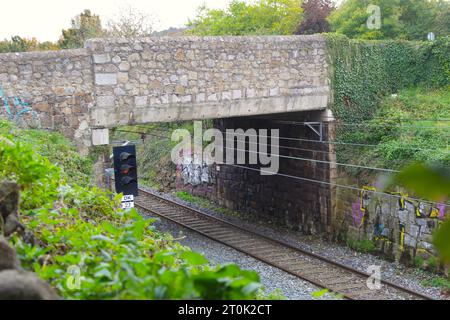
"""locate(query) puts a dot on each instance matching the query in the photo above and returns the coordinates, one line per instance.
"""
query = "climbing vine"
(389, 99)
(363, 72)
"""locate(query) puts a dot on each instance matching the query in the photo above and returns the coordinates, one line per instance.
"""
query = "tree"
(130, 23)
(19, 44)
(315, 17)
(399, 19)
(442, 22)
(352, 16)
(84, 26)
(420, 17)
(263, 17)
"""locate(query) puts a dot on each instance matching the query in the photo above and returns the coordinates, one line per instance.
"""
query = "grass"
(54, 146)
(437, 282)
(205, 203)
(364, 245)
(408, 127)
(186, 196)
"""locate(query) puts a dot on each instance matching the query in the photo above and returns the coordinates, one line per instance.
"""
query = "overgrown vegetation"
(89, 248)
(437, 282)
(263, 17)
(52, 146)
(404, 127)
(364, 72)
(399, 19)
(364, 245)
(186, 196)
(399, 135)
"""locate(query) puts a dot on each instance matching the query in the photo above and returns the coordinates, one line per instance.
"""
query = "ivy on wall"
(363, 72)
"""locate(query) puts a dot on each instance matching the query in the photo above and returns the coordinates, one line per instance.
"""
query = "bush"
(398, 133)
(364, 76)
(36, 176)
(87, 247)
(363, 72)
(363, 245)
(119, 255)
(55, 147)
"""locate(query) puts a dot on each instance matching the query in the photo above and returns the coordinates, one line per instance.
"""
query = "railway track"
(318, 270)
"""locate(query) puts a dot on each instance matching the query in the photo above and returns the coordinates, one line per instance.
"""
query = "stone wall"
(184, 78)
(51, 90)
(400, 227)
(114, 82)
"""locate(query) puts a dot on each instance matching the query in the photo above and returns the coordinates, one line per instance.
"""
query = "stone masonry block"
(105, 101)
(100, 137)
(101, 58)
(106, 79)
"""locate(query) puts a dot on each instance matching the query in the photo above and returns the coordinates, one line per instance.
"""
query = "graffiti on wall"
(15, 108)
(359, 209)
(193, 173)
(409, 223)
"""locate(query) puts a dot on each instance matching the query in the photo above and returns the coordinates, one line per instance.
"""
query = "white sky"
(44, 19)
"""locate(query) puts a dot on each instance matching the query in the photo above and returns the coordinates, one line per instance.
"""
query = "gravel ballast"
(272, 278)
(292, 287)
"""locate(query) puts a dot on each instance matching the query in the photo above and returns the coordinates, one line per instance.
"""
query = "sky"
(44, 19)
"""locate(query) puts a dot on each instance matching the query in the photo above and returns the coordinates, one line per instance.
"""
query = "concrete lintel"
(211, 110)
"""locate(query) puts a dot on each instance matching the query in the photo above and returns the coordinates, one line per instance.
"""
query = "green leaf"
(321, 293)
(251, 288)
(101, 237)
(103, 273)
(441, 240)
(138, 229)
(429, 182)
(194, 258)
(108, 226)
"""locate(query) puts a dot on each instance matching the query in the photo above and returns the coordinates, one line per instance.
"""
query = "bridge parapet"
(184, 78)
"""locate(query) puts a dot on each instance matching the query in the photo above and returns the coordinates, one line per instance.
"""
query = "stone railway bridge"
(114, 82)
(242, 82)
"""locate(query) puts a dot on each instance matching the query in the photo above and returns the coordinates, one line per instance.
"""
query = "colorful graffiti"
(15, 108)
(421, 209)
(358, 208)
(409, 223)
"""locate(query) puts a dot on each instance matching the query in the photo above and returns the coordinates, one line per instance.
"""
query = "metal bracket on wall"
(317, 128)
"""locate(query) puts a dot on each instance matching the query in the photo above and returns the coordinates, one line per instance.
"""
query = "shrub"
(87, 247)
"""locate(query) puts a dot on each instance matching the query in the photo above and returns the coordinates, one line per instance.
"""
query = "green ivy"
(364, 76)
(363, 72)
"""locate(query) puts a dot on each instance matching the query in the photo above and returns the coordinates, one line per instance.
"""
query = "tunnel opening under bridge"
(296, 192)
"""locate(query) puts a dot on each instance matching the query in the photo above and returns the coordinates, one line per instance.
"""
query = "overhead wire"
(308, 179)
(362, 145)
(338, 185)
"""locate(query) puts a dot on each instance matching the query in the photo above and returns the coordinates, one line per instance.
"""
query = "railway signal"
(125, 170)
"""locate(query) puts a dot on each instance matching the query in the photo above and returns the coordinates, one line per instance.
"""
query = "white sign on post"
(127, 205)
(129, 197)
(128, 201)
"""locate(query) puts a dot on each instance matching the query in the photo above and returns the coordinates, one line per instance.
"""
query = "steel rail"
(276, 242)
